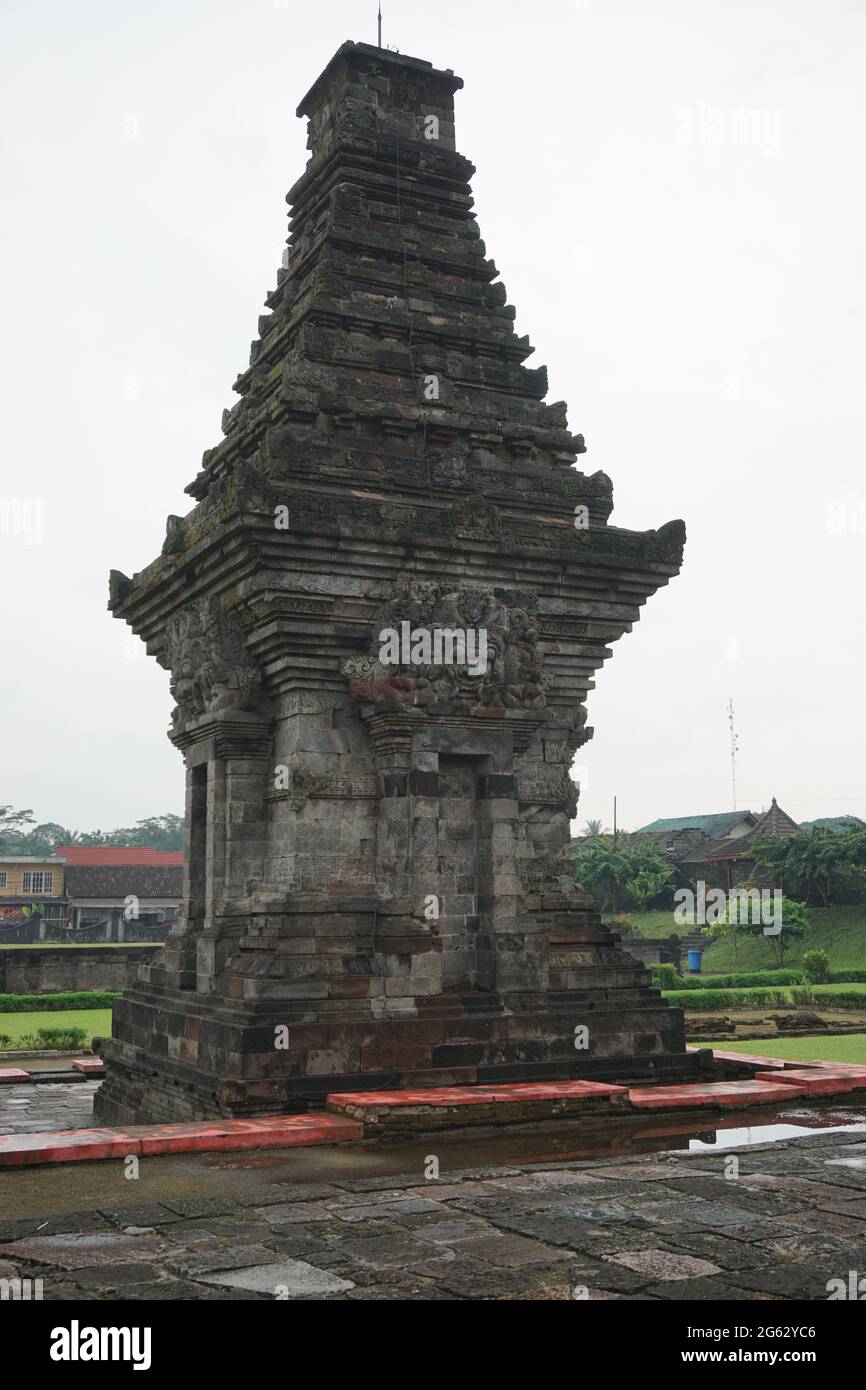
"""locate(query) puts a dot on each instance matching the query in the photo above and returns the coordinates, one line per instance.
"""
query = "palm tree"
(594, 828)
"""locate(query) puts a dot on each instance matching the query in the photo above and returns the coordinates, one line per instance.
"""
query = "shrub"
(842, 1000)
(817, 966)
(701, 998)
(5, 1040)
(744, 980)
(666, 977)
(805, 995)
(51, 1035)
(812, 995)
(742, 998)
(53, 1040)
(848, 977)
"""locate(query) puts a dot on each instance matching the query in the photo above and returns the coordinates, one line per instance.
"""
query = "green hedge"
(733, 998)
(665, 977)
(758, 979)
(48, 1003)
(831, 996)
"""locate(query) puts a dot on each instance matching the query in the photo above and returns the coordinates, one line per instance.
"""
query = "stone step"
(206, 1136)
(449, 1106)
(89, 1066)
(714, 1094)
(824, 1080)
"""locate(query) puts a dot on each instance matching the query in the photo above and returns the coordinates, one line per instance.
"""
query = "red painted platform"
(438, 1097)
(76, 1145)
(9, 1075)
(711, 1094)
(824, 1080)
(457, 1106)
(89, 1066)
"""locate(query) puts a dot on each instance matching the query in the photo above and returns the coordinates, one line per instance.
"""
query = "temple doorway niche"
(463, 854)
(197, 851)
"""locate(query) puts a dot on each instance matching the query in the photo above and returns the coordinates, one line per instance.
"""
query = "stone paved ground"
(49, 1106)
(663, 1226)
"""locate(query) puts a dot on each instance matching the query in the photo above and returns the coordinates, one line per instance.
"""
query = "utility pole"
(615, 884)
(380, 23)
(735, 748)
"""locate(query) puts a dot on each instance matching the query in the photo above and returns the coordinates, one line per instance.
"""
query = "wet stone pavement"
(51, 1105)
(662, 1226)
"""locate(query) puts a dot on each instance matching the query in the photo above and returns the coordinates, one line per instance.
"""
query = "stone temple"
(378, 887)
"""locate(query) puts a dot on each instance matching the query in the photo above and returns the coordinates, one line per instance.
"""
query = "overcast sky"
(674, 195)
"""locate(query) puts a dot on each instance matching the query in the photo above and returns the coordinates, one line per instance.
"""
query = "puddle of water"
(763, 1134)
(793, 1122)
(743, 1128)
(555, 1142)
(87, 1186)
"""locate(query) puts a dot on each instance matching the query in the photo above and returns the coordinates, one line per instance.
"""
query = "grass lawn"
(850, 1047)
(95, 1022)
(840, 931)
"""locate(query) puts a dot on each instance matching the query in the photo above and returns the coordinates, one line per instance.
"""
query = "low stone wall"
(52, 970)
(653, 950)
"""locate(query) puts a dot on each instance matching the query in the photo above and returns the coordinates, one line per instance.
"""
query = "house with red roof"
(93, 893)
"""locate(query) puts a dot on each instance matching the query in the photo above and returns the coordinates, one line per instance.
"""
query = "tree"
(594, 828)
(649, 883)
(19, 836)
(804, 863)
(834, 823)
(11, 832)
(737, 917)
(41, 841)
(603, 866)
(734, 920)
(599, 867)
(795, 921)
(155, 832)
